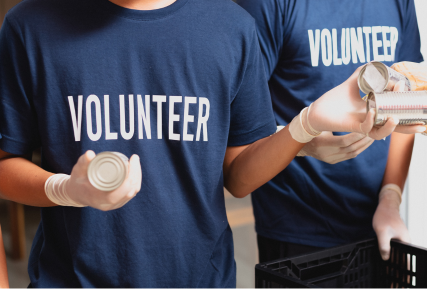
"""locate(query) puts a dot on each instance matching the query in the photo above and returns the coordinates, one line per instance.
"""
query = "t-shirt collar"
(142, 15)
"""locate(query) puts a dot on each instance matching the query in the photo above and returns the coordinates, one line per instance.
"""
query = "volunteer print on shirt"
(310, 47)
(94, 123)
(176, 86)
(357, 44)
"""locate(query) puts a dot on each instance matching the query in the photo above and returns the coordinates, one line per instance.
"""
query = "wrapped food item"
(415, 72)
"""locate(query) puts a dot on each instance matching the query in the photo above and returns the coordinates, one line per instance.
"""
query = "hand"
(342, 109)
(80, 190)
(334, 149)
(387, 222)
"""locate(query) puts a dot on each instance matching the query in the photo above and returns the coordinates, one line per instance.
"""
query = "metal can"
(410, 107)
(391, 77)
(108, 170)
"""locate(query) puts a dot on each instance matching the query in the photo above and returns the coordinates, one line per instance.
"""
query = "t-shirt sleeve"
(269, 18)
(411, 50)
(251, 110)
(18, 122)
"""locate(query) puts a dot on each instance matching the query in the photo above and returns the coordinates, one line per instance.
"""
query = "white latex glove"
(77, 191)
(342, 110)
(333, 149)
(387, 222)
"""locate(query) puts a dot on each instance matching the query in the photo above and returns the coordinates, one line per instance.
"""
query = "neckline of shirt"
(141, 15)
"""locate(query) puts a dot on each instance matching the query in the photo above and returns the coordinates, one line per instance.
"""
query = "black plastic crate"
(357, 265)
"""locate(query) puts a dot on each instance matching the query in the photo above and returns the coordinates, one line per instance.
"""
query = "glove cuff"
(297, 130)
(54, 188)
(391, 191)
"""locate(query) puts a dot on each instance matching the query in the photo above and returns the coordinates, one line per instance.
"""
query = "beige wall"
(5, 5)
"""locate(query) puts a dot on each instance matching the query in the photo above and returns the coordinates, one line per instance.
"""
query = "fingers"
(80, 167)
(353, 151)
(356, 73)
(404, 236)
(350, 139)
(384, 131)
(135, 171)
(89, 155)
(358, 147)
(399, 86)
(410, 129)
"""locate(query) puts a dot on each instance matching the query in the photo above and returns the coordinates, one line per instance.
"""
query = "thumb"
(384, 244)
(368, 123)
(86, 158)
(135, 171)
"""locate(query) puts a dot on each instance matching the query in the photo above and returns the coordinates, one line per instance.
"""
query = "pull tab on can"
(108, 170)
(410, 107)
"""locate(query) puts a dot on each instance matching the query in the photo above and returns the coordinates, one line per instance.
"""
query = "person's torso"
(312, 202)
(157, 84)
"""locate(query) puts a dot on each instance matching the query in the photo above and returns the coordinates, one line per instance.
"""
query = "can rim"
(95, 176)
(361, 82)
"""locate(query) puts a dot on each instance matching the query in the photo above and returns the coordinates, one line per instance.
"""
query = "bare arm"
(399, 158)
(4, 283)
(22, 181)
(246, 168)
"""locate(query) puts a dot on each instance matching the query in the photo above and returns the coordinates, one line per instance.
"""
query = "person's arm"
(249, 167)
(341, 109)
(387, 222)
(4, 281)
(22, 181)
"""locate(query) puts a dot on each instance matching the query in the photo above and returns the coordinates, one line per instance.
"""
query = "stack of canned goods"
(410, 107)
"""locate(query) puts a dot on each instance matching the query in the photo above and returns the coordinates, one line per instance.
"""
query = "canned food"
(390, 78)
(410, 107)
(108, 170)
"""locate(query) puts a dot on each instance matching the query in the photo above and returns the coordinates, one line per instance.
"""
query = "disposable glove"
(387, 222)
(77, 191)
(342, 110)
(333, 149)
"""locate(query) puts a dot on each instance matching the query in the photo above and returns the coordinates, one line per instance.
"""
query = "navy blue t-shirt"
(309, 47)
(176, 86)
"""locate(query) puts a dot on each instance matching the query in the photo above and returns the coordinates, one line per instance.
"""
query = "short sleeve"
(411, 50)
(251, 110)
(18, 124)
(269, 18)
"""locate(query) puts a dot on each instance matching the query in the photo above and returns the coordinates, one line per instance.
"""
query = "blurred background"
(19, 223)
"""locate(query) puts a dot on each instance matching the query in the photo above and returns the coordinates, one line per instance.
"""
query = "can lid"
(364, 85)
(107, 171)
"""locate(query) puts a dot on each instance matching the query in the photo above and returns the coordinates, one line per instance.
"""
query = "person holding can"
(327, 196)
(177, 85)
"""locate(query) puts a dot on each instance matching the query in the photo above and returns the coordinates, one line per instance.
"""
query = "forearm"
(23, 182)
(399, 158)
(260, 162)
(3, 270)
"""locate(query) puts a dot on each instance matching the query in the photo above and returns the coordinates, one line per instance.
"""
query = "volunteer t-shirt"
(309, 47)
(176, 86)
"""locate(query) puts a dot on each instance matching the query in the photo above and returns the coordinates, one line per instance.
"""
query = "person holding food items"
(327, 196)
(176, 85)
